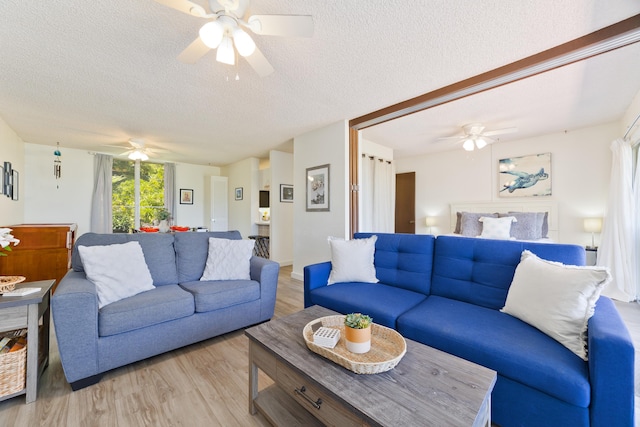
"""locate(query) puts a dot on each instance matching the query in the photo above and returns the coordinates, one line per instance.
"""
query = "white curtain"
(170, 189)
(101, 217)
(636, 221)
(378, 195)
(618, 242)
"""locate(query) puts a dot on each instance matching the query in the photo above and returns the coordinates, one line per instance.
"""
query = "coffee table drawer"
(314, 398)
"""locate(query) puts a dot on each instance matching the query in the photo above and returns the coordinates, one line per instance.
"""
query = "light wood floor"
(204, 384)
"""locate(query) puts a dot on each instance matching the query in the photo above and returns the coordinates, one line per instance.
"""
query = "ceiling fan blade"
(443, 138)
(500, 131)
(282, 25)
(184, 6)
(259, 63)
(196, 50)
(153, 151)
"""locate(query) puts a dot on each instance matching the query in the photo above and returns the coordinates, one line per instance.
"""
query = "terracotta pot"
(358, 340)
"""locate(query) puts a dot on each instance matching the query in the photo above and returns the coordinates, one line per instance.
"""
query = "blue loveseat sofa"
(180, 310)
(447, 293)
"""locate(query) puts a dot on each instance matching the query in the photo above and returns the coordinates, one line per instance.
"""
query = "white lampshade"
(468, 145)
(225, 53)
(430, 221)
(243, 41)
(211, 34)
(138, 155)
(480, 143)
(593, 225)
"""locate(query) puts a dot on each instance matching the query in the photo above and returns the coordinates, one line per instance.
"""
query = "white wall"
(281, 228)
(627, 120)
(327, 145)
(12, 150)
(243, 214)
(69, 199)
(580, 167)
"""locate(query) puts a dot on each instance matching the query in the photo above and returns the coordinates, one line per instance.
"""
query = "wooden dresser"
(44, 252)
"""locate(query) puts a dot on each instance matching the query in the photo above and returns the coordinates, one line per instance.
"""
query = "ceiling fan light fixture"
(480, 143)
(243, 41)
(211, 34)
(138, 155)
(225, 53)
(468, 145)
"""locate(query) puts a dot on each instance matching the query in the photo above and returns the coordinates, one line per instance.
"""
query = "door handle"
(412, 222)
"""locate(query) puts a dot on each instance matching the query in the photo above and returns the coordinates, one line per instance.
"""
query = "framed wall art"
(15, 184)
(186, 196)
(318, 189)
(239, 193)
(286, 193)
(525, 176)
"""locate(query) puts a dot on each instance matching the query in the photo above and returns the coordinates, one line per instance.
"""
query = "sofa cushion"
(556, 298)
(192, 250)
(403, 260)
(352, 260)
(382, 302)
(118, 271)
(158, 305)
(214, 295)
(500, 342)
(479, 271)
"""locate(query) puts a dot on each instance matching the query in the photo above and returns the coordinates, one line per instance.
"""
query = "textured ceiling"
(93, 74)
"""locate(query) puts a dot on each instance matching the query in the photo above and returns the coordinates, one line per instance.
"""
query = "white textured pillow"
(228, 259)
(558, 299)
(119, 271)
(496, 228)
(352, 260)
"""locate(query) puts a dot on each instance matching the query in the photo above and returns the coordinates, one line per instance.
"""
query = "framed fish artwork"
(525, 176)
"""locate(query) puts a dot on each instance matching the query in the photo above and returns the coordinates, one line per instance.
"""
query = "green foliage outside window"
(123, 199)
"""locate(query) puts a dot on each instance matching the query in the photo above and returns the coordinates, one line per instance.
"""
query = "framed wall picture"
(2, 193)
(239, 193)
(7, 180)
(186, 196)
(318, 189)
(286, 193)
(525, 176)
(15, 184)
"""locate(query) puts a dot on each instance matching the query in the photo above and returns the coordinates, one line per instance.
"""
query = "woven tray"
(8, 283)
(387, 348)
(13, 371)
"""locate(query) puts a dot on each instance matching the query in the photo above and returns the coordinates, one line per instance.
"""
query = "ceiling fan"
(226, 28)
(138, 150)
(474, 136)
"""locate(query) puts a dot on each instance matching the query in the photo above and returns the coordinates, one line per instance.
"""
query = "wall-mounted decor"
(318, 189)
(186, 196)
(286, 193)
(7, 180)
(57, 163)
(525, 176)
(1, 181)
(239, 192)
(15, 181)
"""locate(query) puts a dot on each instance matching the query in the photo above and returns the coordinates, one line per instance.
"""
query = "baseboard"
(297, 276)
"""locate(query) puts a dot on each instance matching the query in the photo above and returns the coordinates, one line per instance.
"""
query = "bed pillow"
(555, 298)
(119, 271)
(470, 224)
(228, 259)
(542, 222)
(496, 228)
(352, 260)
(456, 230)
(527, 227)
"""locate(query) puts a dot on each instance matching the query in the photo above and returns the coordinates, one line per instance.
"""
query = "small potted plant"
(357, 332)
(163, 216)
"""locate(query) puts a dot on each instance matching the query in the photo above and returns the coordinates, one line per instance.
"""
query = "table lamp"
(592, 225)
(430, 221)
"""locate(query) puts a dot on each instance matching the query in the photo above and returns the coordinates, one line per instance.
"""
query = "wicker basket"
(387, 348)
(8, 283)
(13, 368)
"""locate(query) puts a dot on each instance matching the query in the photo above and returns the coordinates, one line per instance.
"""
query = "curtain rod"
(631, 127)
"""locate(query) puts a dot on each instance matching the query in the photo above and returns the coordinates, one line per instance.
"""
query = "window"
(151, 189)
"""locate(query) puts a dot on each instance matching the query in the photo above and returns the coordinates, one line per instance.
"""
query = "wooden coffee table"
(427, 388)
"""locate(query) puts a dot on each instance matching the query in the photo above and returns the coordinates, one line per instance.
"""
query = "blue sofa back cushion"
(403, 260)
(192, 250)
(157, 248)
(480, 271)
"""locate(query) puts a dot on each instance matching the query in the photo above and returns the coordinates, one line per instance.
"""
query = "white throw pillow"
(228, 259)
(497, 228)
(352, 260)
(119, 271)
(558, 299)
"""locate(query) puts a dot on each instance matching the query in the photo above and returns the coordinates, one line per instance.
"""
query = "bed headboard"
(502, 207)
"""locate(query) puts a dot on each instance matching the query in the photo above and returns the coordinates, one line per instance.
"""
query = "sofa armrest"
(266, 273)
(611, 370)
(315, 276)
(74, 307)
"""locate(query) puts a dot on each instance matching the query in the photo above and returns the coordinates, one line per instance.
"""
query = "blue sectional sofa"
(180, 310)
(447, 293)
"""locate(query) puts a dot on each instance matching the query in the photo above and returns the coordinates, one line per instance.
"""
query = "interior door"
(219, 204)
(406, 203)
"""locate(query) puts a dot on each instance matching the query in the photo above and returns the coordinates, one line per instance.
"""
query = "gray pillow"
(470, 224)
(527, 227)
(542, 223)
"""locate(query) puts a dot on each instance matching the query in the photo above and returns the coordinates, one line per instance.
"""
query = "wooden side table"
(26, 312)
